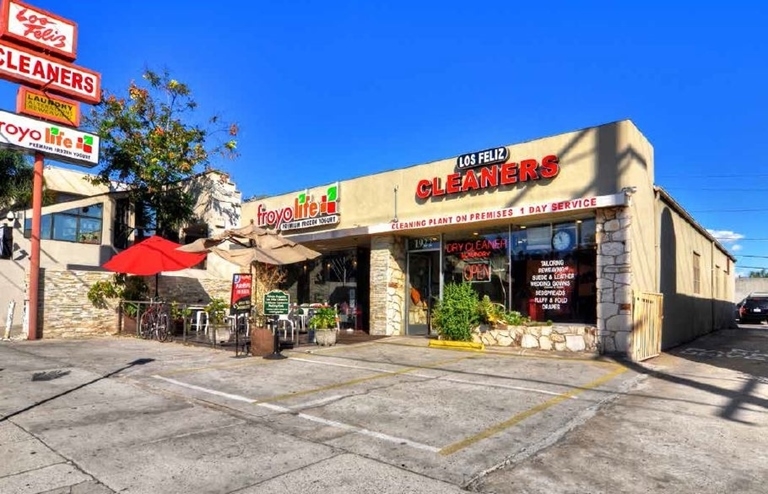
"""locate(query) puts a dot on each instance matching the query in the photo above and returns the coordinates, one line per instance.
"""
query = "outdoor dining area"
(245, 326)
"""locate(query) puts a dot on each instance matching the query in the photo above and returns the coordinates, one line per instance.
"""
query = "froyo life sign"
(64, 143)
(307, 211)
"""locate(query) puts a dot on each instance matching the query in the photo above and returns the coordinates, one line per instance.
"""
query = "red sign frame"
(32, 43)
(27, 58)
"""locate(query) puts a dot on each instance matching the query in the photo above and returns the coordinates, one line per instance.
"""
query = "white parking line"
(205, 390)
(448, 379)
(319, 420)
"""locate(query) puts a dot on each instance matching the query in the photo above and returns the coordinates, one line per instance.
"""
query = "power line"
(717, 189)
(730, 210)
(743, 239)
(708, 176)
(756, 257)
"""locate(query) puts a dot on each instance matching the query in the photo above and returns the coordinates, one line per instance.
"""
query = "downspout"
(712, 275)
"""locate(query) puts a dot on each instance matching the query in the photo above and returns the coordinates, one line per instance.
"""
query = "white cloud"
(728, 238)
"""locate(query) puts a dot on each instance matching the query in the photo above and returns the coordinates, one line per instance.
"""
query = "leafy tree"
(16, 173)
(763, 273)
(149, 143)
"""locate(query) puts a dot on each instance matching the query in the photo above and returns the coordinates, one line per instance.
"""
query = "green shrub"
(217, 310)
(490, 313)
(121, 286)
(324, 318)
(457, 313)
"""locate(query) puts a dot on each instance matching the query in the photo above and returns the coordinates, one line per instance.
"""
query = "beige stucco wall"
(688, 313)
(593, 162)
(218, 204)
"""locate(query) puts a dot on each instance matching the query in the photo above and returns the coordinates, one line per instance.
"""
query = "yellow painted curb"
(459, 345)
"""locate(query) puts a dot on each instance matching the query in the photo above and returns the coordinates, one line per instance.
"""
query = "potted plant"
(323, 323)
(217, 310)
(179, 315)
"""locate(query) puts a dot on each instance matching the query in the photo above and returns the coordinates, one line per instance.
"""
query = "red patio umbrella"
(152, 256)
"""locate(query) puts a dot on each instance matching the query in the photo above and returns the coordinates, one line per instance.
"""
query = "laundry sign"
(59, 142)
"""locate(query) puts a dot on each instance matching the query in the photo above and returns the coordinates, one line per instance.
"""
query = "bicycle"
(155, 322)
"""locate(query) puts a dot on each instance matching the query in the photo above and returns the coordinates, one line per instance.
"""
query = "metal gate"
(647, 316)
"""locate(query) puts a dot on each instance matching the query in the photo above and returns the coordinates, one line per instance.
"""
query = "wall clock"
(562, 240)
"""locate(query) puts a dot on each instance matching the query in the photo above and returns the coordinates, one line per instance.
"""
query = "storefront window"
(546, 272)
(553, 271)
(81, 225)
(480, 258)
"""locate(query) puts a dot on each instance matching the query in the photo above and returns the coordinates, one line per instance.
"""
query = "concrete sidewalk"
(128, 415)
(698, 425)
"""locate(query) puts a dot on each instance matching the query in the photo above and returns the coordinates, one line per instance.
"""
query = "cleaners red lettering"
(489, 177)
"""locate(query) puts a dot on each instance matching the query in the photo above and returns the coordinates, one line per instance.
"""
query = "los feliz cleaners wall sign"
(487, 169)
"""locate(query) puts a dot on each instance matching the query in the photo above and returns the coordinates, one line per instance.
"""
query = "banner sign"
(48, 107)
(59, 142)
(503, 213)
(240, 295)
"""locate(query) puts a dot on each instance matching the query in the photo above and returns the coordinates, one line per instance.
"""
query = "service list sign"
(57, 141)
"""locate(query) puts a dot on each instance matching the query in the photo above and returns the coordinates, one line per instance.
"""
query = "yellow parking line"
(453, 448)
(359, 380)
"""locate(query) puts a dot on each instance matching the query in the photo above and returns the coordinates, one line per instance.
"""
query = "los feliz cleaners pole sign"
(37, 49)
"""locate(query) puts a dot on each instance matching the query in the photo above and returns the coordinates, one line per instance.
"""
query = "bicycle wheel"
(162, 326)
(146, 325)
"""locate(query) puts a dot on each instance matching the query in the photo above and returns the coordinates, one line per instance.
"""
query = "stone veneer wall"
(387, 285)
(66, 311)
(558, 337)
(614, 280)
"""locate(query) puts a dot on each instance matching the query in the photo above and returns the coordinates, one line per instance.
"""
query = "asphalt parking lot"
(127, 415)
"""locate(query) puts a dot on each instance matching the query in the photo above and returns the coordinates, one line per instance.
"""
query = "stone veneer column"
(387, 285)
(614, 280)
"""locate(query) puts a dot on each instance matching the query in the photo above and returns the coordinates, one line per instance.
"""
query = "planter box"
(325, 337)
(557, 337)
(262, 341)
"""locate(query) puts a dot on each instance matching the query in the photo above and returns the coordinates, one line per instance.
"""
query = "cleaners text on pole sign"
(38, 29)
(20, 65)
(47, 107)
(59, 142)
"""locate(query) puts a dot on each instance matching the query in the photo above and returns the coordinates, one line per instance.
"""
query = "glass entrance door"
(422, 291)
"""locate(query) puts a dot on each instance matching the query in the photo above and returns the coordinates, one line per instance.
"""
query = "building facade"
(568, 228)
(85, 226)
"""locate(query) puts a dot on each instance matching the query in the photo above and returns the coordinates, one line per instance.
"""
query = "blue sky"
(327, 90)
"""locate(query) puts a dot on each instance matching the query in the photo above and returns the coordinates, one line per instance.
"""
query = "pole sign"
(38, 29)
(240, 295)
(64, 143)
(276, 303)
(48, 107)
(21, 65)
